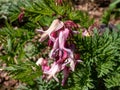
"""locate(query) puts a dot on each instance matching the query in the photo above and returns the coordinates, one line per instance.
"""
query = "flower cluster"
(62, 50)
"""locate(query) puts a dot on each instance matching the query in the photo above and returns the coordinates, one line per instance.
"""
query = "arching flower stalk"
(62, 50)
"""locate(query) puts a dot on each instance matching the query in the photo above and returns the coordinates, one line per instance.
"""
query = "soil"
(6, 83)
(96, 10)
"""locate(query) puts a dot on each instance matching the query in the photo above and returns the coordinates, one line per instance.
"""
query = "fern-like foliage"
(4, 7)
(19, 50)
(42, 12)
(113, 80)
(24, 70)
(100, 67)
(100, 53)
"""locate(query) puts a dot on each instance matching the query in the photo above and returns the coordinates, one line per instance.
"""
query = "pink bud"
(50, 43)
(77, 56)
(70, 24)
(20, 16)
(59, 2)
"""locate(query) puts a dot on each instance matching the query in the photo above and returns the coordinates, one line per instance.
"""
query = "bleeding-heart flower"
(62, 51)
(56, 25)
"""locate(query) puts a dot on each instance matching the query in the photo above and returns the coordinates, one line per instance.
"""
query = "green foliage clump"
(18, 48)
(41, 13)
(100, 55)
(4, 7)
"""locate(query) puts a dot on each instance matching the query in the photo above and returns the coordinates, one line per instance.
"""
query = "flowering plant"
(62, 52)
(49, 45)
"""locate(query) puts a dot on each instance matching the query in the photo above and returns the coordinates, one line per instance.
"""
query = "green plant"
(99, 52)
(113, 10)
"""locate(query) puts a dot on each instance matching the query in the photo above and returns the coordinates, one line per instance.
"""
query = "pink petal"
(66, 72)
(56, 24)
(39, 62)
(55, 68)
(62, 39)
(85, 33)
(20, 16)
(50, 43)
(55, 47)
(41, 31)
(72, 63)
(63, 58)
(45, 68)
(53, 36)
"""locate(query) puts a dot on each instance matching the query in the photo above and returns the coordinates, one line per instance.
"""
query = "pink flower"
(55, 68)
(63, 36)
(20, 16)
(62, 52)
(43, 63)
(85, 33)
(56, 25)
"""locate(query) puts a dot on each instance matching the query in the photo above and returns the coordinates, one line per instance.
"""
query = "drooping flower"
(62, 51)
(56, 25)
(55, 68)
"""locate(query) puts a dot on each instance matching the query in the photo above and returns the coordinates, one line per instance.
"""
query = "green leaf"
(20, 71)
(113, 80)
(105, 68)
(9, 44)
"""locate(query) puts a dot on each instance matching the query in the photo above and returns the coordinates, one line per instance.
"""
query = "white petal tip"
(39, 62)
